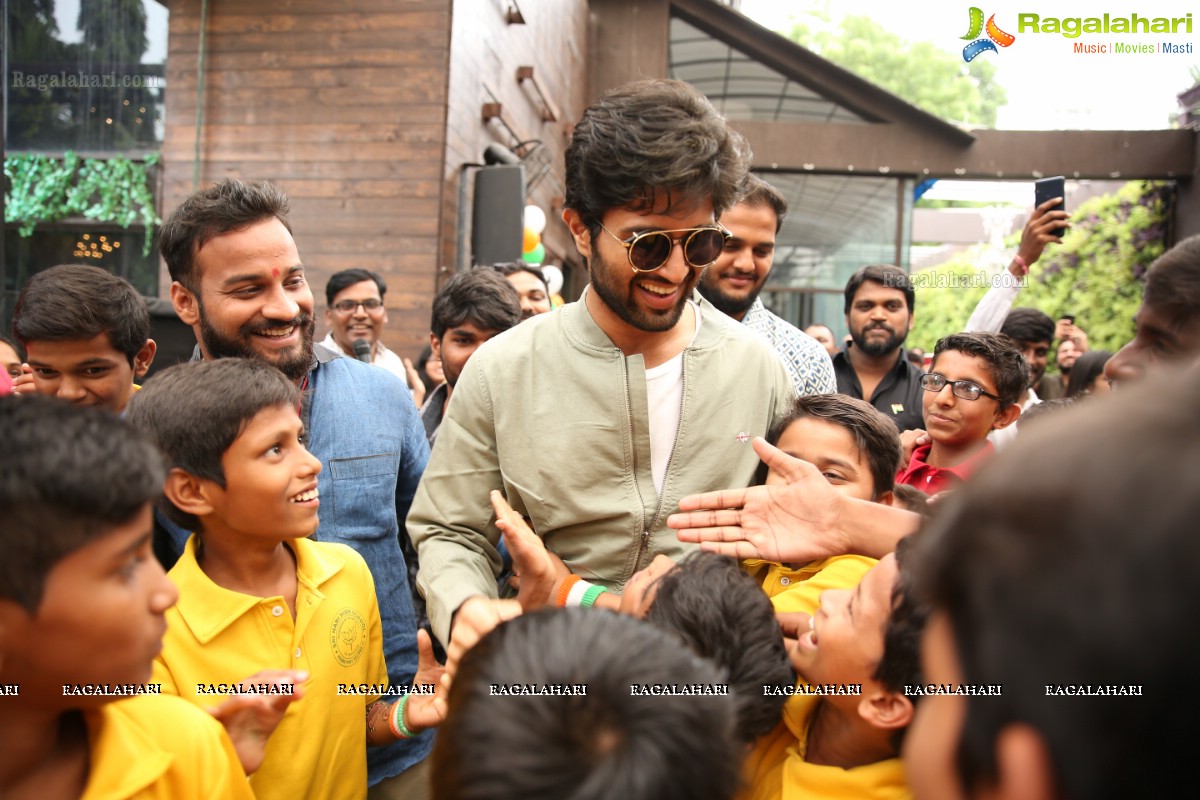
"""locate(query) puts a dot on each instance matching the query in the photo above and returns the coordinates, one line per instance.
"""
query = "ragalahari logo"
(995, 36)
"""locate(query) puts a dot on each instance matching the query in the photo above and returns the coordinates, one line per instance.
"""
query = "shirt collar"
(962, 470)
(123, 758)
(208, 609)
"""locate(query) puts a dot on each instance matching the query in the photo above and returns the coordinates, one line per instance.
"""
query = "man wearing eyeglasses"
(595, 419)
(355, 312)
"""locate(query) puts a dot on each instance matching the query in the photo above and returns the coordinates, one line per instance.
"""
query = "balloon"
(535, 256)
(531, 242)
(535, 219)
(554, 278)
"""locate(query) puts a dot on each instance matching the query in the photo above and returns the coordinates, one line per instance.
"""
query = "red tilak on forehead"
(275, 271)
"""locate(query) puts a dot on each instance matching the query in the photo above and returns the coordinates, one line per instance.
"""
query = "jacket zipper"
(645, 537)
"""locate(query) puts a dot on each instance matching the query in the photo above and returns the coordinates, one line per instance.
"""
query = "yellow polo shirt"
(776, 769)
(154, 746)
(217, 636)
(799, 588)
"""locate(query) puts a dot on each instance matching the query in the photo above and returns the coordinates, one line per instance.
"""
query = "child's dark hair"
(195, 411)
(900, 664)
(482, 297)
(910, 498)
(608, 744)
(1044, 409)
(1009, 370)
(77, 301)
(722, 613)
(874, 435)
(68, 475)
(1028, 325)
(1072, 560)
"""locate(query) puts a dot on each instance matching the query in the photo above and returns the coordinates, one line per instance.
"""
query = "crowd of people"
(654, 543)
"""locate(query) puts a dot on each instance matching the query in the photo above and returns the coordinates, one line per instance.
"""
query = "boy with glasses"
(971, 389)
(595, 419)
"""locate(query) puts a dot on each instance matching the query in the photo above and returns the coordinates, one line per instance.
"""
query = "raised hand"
(538, 569)
(250, 719)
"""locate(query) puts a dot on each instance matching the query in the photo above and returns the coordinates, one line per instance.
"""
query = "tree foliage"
(1097, 273)
(918, 72)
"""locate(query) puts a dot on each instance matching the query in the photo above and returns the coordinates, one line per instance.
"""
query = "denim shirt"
(362, 424)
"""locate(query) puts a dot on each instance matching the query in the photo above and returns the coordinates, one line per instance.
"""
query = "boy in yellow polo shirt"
(857, 449)
(82, 605)
(255, 592)
(858, 660)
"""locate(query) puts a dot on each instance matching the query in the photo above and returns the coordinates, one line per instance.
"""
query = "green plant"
(43, 189)
(1097, 273)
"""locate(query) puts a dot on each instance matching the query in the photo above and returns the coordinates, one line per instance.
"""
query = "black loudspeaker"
(498, 222)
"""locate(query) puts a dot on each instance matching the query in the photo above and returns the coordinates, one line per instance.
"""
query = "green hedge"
(1097, 273)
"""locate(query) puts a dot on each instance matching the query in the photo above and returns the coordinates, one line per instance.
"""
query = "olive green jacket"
(552, 414)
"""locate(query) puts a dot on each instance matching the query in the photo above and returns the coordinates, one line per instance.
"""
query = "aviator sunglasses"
(650, 250)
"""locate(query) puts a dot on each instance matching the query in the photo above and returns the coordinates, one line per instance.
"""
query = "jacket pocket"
(363, 492)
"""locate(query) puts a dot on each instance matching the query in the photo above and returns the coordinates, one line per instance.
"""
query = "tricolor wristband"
(564, 590)
(583, 594)
(396, 720)
(589, 597)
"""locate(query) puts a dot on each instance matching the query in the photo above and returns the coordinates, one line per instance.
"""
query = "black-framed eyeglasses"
(349, 306)
(967, 390)
(649, 250)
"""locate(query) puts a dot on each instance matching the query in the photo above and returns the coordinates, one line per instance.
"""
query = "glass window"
(117, 250)
(85, 75)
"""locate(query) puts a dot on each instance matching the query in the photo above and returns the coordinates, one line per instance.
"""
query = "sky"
(1049, 86)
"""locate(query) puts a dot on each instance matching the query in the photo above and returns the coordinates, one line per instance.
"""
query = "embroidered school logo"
(348, 637)
(995, 36)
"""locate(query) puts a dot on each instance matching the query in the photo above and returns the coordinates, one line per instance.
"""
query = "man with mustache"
(734, 282)
(595, 419)
(873, 367)
(239, 282)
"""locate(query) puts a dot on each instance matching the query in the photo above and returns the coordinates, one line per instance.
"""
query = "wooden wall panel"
(483, 69)
(343, 106)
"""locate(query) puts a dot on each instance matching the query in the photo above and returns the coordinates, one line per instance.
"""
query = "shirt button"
(297, 652)
(785, 581)
(277, 610)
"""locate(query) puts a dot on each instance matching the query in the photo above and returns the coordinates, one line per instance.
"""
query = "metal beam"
(876, 149)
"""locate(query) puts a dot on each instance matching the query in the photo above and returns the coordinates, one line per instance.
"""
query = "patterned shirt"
(805, 358)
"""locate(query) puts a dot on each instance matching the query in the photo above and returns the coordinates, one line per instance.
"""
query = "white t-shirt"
(664, 398)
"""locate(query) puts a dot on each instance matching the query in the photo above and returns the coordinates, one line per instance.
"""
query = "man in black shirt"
(879, 308)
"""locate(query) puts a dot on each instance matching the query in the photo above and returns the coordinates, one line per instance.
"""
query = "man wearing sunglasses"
(733, 284)
(595, 419)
